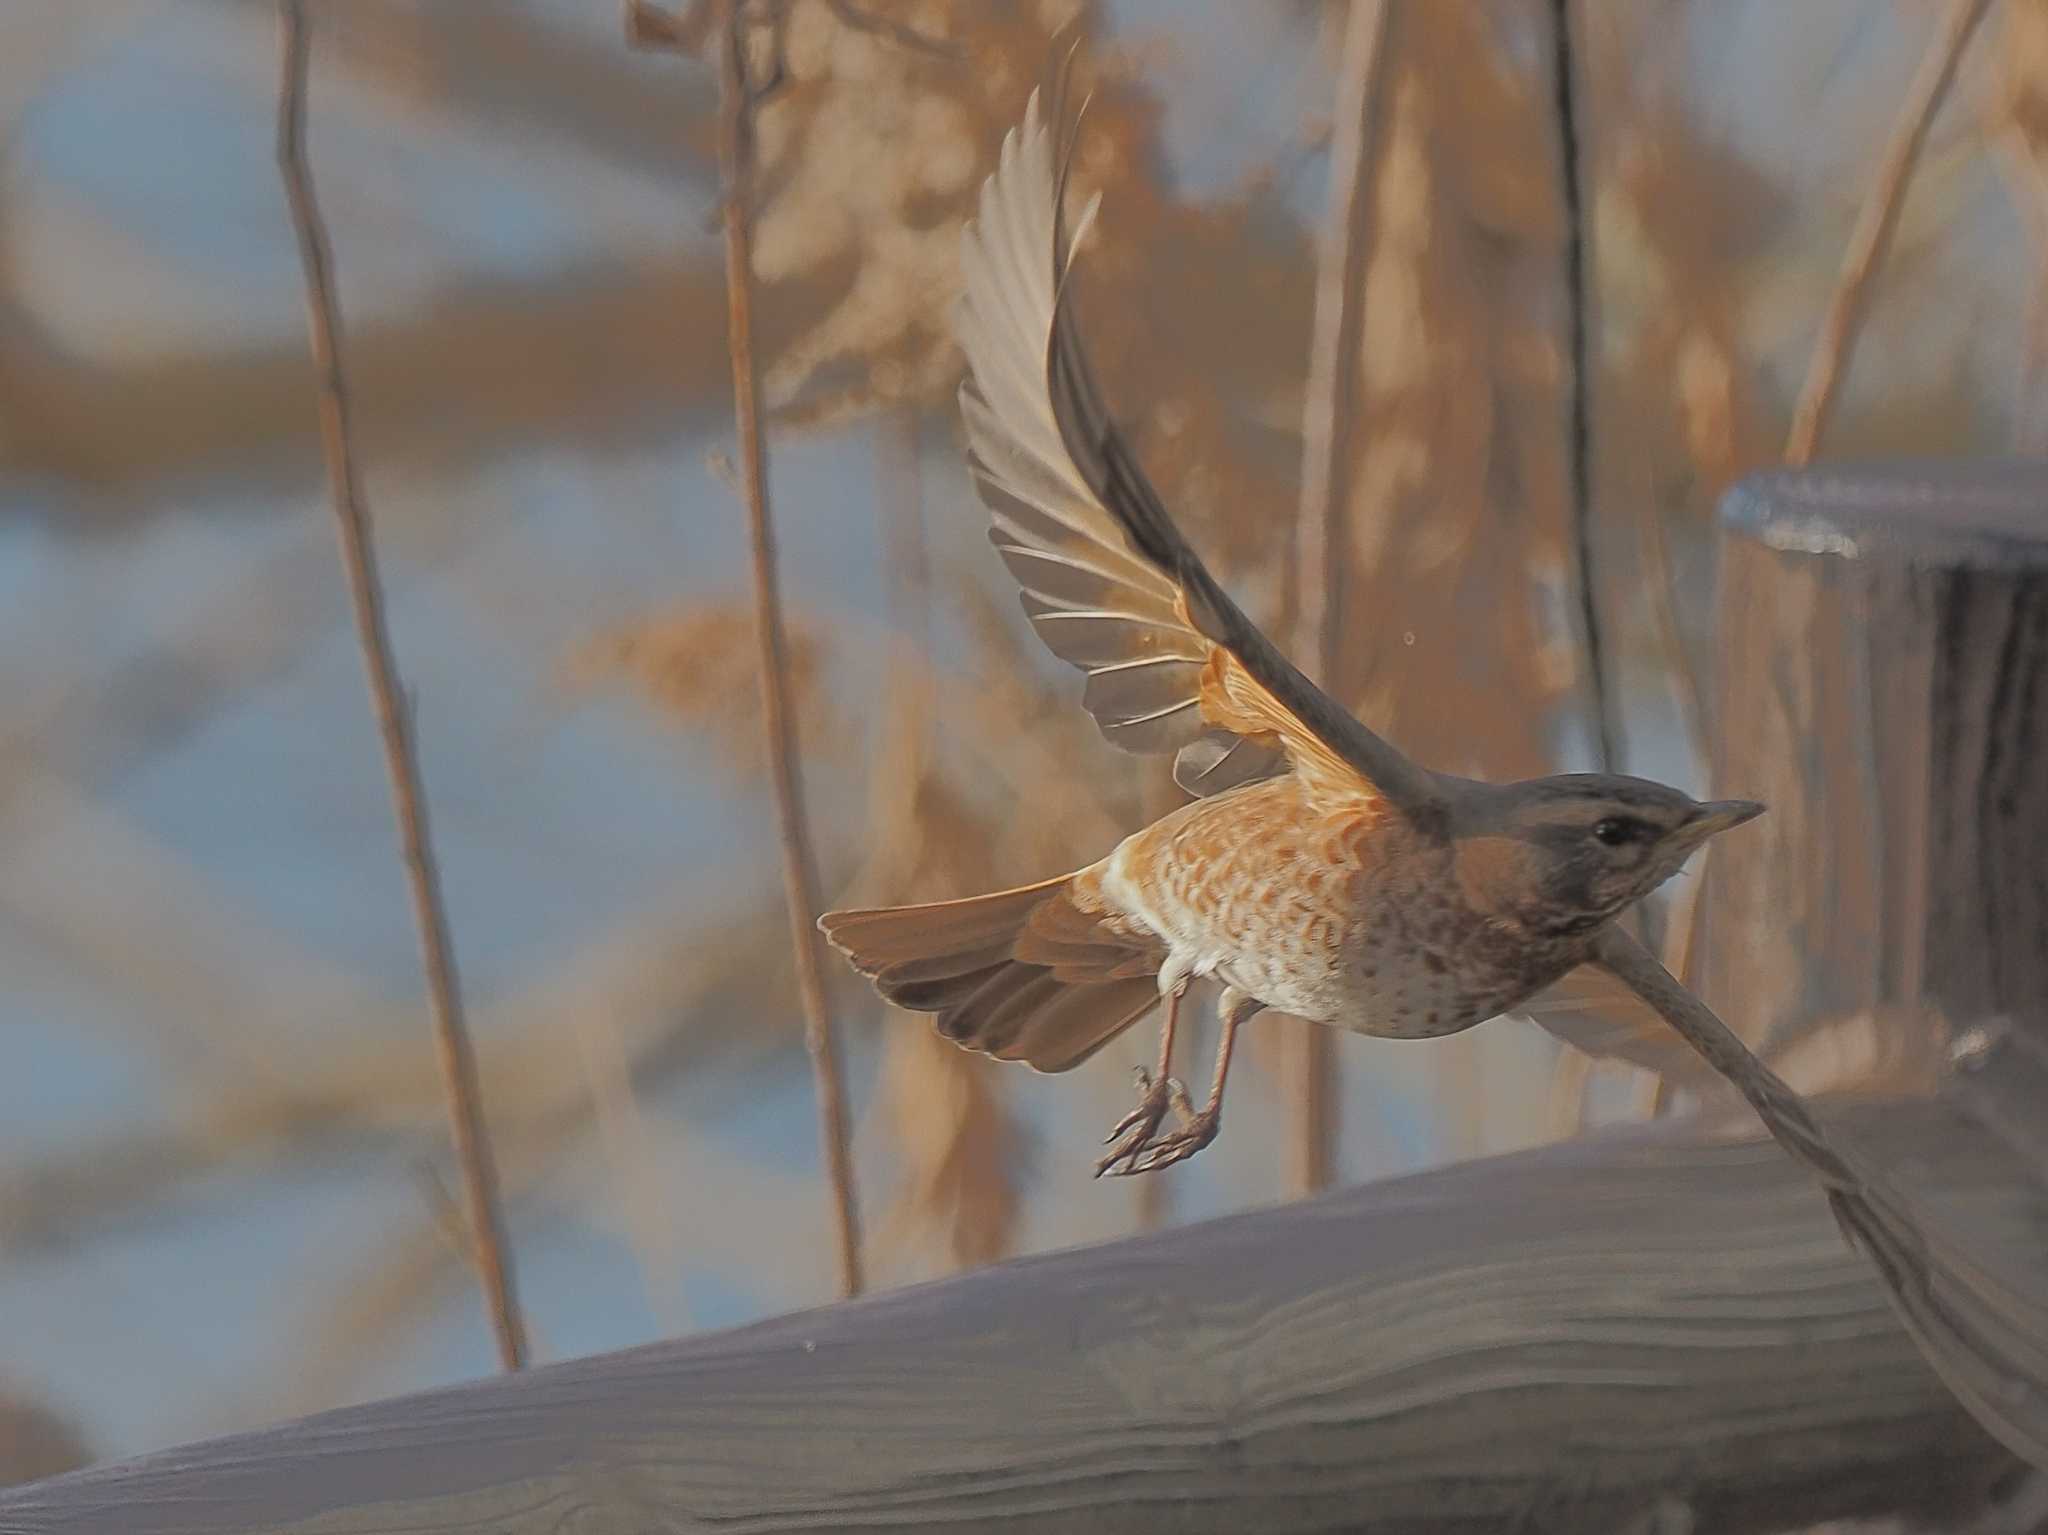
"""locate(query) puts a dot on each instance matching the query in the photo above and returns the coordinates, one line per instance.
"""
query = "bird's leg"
(1198, 1130)
(1156, 1091)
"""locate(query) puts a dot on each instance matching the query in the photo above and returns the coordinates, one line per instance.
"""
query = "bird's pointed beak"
(1717, 816)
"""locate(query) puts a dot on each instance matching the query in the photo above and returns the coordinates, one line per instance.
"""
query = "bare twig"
(1579, 424)
(1308, 1064)
(394, 721)
(738, 96)
(1836, 346)
(1333, 346)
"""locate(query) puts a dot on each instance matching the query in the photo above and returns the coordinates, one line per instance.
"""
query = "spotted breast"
(1315, 904)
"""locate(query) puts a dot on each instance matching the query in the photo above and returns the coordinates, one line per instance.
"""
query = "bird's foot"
(1138, 1131)
(1196, 1131)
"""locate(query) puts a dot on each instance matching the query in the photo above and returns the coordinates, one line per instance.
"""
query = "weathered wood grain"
(1562, 1340)
(1884, 686)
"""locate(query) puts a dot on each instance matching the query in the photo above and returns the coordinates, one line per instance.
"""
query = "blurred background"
(225, 1188)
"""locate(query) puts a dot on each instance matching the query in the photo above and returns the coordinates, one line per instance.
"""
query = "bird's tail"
(1022, 975)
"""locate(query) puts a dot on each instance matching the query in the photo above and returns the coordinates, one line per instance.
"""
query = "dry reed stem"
(1308, 1061)
(1333, 343)
(1579, 418)
(799, 864)
(1836, 346)
(1573, 1071)
(394, 722)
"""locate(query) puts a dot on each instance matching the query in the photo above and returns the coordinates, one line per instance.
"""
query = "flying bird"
(1316, 871)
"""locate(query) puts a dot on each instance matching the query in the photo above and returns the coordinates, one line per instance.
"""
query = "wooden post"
(1884, 688)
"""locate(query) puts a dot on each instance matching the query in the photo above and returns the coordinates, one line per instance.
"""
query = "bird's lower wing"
(1985, 1336)
(1599, 1016)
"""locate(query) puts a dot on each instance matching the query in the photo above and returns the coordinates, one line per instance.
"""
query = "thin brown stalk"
(1308, 1064)
(738, 98)
(394, 722)
(1600, 687)
(1573, 1071)
(1836, 346)
(1333, 344)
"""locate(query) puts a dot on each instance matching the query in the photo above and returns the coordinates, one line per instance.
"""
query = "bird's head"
(1562, 855)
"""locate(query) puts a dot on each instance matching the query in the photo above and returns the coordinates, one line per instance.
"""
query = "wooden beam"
(1566, 1339)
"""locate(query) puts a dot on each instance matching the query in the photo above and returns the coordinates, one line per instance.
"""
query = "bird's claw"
(1143, 1079)
(1199, 1131)
(1136, 1146)
(1136, 1133)
(1152, 1100)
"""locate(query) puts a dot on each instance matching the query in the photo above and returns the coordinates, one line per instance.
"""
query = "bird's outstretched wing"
(1596, 1014)
(1109, 582)
(1982, 1331)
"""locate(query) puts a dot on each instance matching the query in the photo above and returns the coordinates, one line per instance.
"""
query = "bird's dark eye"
(1616, 830)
